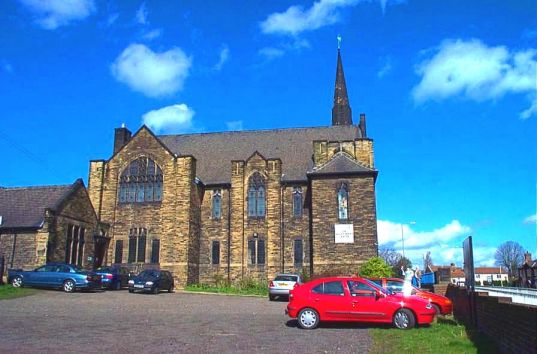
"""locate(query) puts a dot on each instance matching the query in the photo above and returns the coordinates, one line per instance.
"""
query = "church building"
(243, 204)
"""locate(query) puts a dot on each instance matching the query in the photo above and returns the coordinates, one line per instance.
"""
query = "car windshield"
(148, 273)
(78, 269)
(286, 278)
(105, 269)
(382, 290)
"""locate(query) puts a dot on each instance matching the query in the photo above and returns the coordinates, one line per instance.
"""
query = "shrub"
(375, 267)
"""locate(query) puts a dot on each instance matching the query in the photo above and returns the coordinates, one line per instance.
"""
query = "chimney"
(362, 125)
(527, 258)
(121, 137)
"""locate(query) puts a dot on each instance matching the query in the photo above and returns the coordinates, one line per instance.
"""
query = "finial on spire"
(338, 41)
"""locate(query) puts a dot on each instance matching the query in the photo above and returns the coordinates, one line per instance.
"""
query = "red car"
(441, 304)
(355, 299)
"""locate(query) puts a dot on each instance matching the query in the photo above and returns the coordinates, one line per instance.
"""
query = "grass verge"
(445, 336)
(9, 292)
(229, 289)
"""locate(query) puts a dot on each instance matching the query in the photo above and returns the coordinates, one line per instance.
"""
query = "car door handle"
(316, 300)
(354, 303)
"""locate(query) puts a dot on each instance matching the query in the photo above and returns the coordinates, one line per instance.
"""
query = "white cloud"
(386, 67)
(153, 74)
(271, 52)
(234, 125)
(532, 219)
(141, 14)
(153, 34)
(296, 19)
(224, 56)
(176, 118)
(52, 14)
(476, 71)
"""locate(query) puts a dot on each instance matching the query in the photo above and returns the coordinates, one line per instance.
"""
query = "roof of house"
(457, 273)
(294, 147)
(341, 162)
(24, 207)
(489, 270)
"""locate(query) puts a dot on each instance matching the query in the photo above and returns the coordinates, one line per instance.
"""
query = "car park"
(114, 277)
(282, 284)
(355, 299)
(152, 280)
(441, 304)
(64, 276)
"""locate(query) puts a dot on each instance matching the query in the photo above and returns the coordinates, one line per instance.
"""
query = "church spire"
(341, 112)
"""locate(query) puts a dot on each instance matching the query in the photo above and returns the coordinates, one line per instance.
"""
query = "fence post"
(1, 269)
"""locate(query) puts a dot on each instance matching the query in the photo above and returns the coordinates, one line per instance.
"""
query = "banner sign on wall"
(344, 233)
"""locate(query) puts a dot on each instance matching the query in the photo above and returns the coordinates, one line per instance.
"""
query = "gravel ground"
(115, 321)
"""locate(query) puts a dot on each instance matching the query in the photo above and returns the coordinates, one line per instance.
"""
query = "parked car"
(441, 304)
(64, 276)
(152, 280)
(357, 300)
(281, 285)
(114, 277)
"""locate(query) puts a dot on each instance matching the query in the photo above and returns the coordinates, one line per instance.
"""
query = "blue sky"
(449, 89)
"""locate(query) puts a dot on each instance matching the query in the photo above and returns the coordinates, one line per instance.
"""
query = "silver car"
(281, 285)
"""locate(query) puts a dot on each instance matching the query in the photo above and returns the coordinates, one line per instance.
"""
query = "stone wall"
(25, 249)
(295, 228)
(343, 258)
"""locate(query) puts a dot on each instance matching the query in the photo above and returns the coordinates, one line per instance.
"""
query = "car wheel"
(437, 309)
(131, 291)
(117, 286)
(308, 318)
(170, 289)
(271, 297)
(69, 286)
(404, 319)
(16, 282)
(155, 290)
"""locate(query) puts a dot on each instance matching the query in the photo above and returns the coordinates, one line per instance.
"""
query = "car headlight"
(131, 282)
(148, 283)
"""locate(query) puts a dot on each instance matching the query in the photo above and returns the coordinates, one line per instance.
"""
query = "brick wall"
(25, 249)
(513, 327)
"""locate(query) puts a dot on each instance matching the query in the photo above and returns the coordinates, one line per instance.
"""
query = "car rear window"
(376, 281)
(329, 288)
(286, 278)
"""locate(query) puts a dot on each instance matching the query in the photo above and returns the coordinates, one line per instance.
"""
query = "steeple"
(341, 112)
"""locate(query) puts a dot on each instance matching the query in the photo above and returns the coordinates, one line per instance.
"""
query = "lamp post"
(403, 236)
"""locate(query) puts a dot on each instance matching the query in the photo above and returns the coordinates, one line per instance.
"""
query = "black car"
(114, 277)
(152, 280)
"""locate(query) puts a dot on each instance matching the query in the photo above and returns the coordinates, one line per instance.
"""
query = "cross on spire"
(341, 112)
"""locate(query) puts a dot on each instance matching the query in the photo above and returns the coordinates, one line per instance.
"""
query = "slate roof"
(340, 163)
(215, 151)
(24, 207)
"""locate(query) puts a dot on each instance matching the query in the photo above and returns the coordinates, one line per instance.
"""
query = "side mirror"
(379, 294)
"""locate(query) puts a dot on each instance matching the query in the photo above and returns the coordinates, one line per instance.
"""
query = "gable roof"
(24, 207)
(215, 151)
(340, 163)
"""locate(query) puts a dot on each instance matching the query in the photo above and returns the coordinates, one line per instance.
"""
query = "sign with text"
(344, 233)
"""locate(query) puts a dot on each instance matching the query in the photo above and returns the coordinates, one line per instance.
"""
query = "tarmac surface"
(52, 321)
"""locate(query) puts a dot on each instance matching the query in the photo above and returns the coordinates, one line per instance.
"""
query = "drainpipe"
(229, 236)
(282, 229)
(13, 249)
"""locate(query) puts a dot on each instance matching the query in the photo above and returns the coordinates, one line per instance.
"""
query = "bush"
(375, 267)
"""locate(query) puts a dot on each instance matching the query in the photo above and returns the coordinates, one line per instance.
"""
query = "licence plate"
(138, 286)
(283, 284)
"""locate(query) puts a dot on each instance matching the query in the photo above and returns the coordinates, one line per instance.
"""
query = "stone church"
(232, 205)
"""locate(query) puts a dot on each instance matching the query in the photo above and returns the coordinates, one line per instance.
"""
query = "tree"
(390, 256)
(403, 263)
(427, 261)
(375, 268)
(510, 255)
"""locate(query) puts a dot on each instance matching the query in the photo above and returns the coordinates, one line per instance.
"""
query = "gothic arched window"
(256, 196)
(141, 182)
(217, 204)
(297, 202)
(343, 202)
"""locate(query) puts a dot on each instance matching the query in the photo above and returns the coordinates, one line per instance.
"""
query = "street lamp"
(403, 237)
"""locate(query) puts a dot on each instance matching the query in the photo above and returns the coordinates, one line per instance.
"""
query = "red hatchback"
(357, 300)
(441, 304)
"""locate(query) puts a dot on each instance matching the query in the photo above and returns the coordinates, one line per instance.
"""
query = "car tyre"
(17, 282)
(437, 310)
(131, 291)
(308, 318)
(155, 290)
(271, 297)
(117, 285)
(404, 319)
(170, 289)
(69, 286)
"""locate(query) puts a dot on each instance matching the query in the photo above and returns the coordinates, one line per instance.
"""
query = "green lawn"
(9, 292)
(446, 336)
